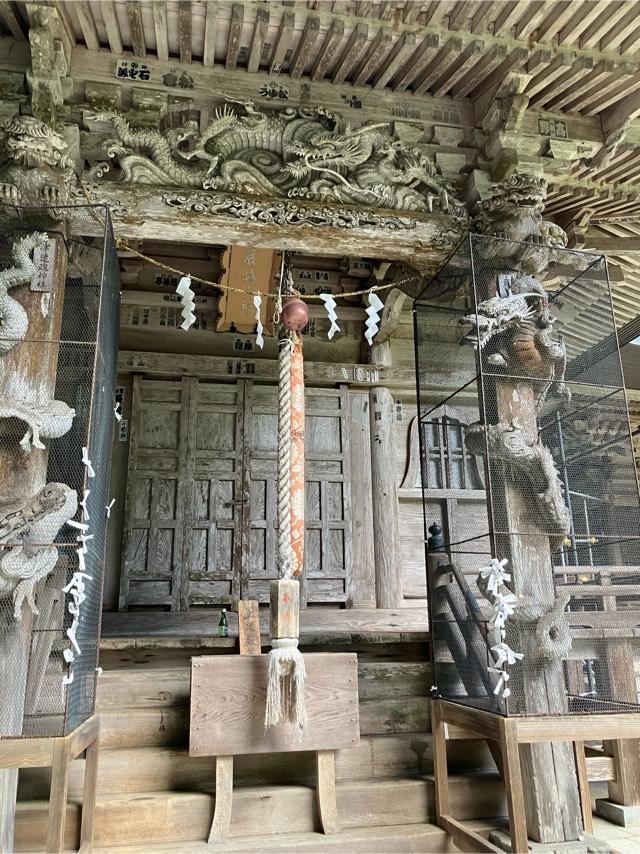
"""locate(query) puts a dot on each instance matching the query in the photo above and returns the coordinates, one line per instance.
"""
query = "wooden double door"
(200, 519)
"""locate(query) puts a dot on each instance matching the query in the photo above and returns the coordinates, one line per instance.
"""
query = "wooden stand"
(59, 753)
(227, 718)
(510, 734)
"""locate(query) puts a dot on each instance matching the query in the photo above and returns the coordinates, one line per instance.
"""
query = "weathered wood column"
(552, 800)
(34, 362)
(384, 500)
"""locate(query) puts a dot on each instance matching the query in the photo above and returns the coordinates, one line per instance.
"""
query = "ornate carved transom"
(301, 153)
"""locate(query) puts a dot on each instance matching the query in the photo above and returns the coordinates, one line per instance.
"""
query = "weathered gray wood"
(384, 500)
(21, 476)
(326, 790)
(224, 800)
(361, 579)
(228, 701)
(313, 621)
(547, 768)
(217, 368)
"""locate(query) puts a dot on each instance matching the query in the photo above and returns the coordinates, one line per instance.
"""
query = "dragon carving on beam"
(292, 153)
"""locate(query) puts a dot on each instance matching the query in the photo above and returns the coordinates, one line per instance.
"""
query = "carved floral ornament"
(309, 154)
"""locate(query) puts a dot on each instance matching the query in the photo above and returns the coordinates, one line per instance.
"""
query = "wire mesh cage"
(59, 308)
(524, 423)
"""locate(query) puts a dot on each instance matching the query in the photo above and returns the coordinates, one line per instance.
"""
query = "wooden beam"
(467, 59)
(510, 12)
(425, 81)
(401, 49)
(613, 245)
(460, 15)
(480, 70)
(234, 36)
(514, 62)
(418, 62)
(373, 57)
(306, 43)
(283, 41)
(562, 81)
(607, 19)
(482, 15)
(184, 30)
(555, 68)
(87, 24)
(600, 71)
(581, 19)
(210, 27)
(260, 27)
(327, 51)
(112, 26)
(352, 52)
(134, 14)
(11, 20)
(615, 36)
(160, 27)
(555, 20)
(535, 13)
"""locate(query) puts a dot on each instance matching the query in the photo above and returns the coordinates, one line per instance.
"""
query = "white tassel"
(285, 685)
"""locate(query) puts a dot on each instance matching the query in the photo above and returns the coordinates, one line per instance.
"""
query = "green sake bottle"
(223, 628)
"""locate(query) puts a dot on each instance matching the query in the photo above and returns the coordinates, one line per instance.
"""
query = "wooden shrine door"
(200, 520)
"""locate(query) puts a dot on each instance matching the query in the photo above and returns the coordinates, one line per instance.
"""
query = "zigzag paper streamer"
(373, 317)
(330, 305)
(257, 301)
(188, 305)
(83, 504)
(87, 462)
(109, 506)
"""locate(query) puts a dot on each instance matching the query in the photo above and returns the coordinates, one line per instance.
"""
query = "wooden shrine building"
(358, 143)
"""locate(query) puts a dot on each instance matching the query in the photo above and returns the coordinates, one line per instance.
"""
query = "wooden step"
(167, 768)
(150, 688)
(160, 817)
(398, 839)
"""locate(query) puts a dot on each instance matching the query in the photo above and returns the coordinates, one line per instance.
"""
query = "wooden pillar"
(384, 500)
(21, 476)
(551, 795)
(625, 789)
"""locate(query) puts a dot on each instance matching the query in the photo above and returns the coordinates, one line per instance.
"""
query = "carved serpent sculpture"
(29, 530)
(13, 318)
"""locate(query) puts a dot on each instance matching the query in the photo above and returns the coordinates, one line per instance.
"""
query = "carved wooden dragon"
(13, 318)
(287, 153)
(27, 532)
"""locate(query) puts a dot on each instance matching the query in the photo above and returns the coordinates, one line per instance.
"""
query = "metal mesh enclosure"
(522, 406)
(59, 308)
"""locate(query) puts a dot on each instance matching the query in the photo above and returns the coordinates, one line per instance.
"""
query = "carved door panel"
(328, 499)
(213, 524)
(156, 494)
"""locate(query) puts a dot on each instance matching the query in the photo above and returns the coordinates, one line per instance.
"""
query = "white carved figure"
(48, 420)
(27, 533)
(13, 318)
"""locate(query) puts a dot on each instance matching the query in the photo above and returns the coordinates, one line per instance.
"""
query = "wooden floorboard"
(313, 622)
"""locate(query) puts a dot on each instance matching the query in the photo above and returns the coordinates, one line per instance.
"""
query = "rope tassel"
(285, 685)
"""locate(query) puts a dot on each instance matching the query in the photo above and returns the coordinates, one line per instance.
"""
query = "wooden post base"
(325, 791)
(509, 733)
(59, 753)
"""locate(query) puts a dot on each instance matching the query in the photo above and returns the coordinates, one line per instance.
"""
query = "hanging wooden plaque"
(249, 270)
